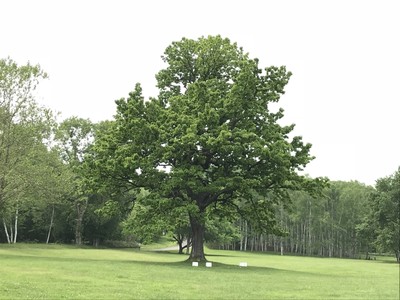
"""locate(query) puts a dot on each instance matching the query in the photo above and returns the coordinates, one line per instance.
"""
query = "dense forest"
(56, 186)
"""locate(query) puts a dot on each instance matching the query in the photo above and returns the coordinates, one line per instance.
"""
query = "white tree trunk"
(245, 235)
(281, 239)
(16, 226)
(6, 231)
(241, 235)
(51, 225)
(11, 233)
(309, 231)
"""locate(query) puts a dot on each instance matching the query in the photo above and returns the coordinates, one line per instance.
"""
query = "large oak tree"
(210, 142)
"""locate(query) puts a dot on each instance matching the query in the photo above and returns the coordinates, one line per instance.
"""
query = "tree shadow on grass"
(182, 263)
(217, 267)
(218, 255)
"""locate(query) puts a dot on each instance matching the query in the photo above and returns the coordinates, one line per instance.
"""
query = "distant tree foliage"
(383, 218)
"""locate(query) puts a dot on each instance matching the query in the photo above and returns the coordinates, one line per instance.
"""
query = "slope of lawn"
(59, 272)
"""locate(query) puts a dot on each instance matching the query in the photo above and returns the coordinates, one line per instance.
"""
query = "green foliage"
(384, 215)
(23, 126)
(143, 224)
(102, 220)
(74, 136)
(153, 216)
(220, 231)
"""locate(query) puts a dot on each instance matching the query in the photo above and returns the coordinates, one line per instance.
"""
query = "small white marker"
(195, 264)
(243, 264)
(208, 264)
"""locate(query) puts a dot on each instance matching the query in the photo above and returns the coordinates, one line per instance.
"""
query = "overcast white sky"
(344, 94)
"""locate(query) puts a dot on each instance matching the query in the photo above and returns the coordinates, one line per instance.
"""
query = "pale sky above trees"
(343, 95)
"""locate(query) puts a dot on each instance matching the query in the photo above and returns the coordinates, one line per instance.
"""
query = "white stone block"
(243, 264)
(208, 264)
(195, 264)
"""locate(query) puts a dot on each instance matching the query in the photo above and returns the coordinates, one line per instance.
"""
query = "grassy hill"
(66, 272)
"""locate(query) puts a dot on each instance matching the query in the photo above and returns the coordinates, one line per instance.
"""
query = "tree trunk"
(367, 253)
(51, 225)
(181, 247)
(198, 228)
(245, 235)
(241, 235)
(188, 243)
(309, 231)
(78, 231)
(11, 232)
(6, 231)
(281, 239)
(15, 226)
(80, 209)
(261, 243)
(180, 238)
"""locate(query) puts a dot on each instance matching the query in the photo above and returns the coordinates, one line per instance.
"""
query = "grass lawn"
(58, 271)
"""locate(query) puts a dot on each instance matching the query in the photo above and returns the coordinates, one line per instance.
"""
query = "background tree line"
(50, 191)
(323, 226)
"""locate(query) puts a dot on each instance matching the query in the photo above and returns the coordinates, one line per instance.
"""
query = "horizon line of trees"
(49, 193)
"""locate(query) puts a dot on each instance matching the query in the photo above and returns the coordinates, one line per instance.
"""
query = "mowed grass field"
(66, 272)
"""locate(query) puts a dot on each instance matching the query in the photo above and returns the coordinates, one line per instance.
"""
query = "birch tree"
(23, 127)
